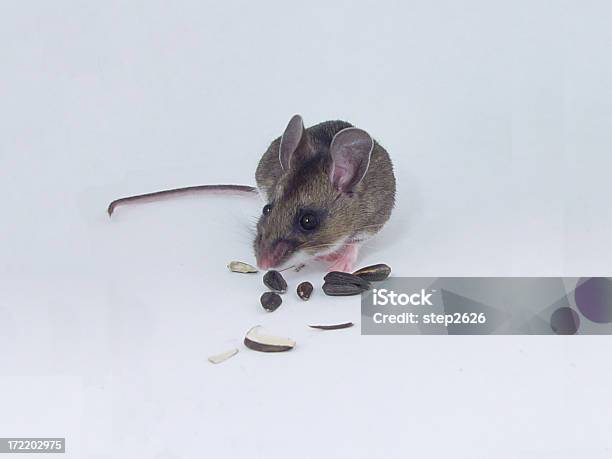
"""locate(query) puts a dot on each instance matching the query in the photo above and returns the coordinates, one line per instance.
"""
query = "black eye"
(309, 221)
(267, 209)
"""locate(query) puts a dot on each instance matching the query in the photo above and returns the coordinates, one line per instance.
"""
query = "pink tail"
(190, 190)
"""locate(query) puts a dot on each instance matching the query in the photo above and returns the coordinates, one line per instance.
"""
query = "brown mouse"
(328, 188)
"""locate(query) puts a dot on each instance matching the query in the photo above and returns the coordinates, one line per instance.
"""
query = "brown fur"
(306, 185)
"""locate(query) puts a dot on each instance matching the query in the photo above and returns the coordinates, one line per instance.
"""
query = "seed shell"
(223, 356)
(241, 267)
(333, 327)
(264, 343)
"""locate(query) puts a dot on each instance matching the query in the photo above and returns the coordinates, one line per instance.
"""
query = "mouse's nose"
(273, 255)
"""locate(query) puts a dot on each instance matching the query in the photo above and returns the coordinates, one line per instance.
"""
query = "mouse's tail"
(190, 190)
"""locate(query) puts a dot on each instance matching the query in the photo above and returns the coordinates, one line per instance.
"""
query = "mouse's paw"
(345, 258)
(342, 266)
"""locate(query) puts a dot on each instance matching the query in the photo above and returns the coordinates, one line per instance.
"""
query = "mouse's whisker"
(315, 247)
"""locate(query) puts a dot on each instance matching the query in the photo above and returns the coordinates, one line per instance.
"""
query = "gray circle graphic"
(565, 321)
(594, 299)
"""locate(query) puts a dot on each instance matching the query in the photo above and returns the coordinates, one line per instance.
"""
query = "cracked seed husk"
(265, 343)
(219, 358)
(333, 326)
(241, 267)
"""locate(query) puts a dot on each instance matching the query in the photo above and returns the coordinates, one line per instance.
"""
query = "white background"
(498, 118)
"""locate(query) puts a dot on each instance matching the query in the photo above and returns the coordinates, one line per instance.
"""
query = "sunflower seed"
(342, 289)
(275, 281)
(270, 301)
(304, 290)
(241, 267)
(337, 277)
(374, 273)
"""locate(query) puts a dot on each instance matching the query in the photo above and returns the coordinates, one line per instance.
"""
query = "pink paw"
(345, 266)
(344, 259)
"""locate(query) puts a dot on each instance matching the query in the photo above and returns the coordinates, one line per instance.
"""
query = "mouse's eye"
(267, 209)
(309, 221)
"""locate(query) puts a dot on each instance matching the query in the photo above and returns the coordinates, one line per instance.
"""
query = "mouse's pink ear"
(291, 140)
(350, 151)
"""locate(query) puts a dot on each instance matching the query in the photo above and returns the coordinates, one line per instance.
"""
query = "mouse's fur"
(331, 172)
(347, 216)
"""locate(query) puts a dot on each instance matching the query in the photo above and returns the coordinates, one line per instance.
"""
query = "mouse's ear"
(290, 141)
(350, 151)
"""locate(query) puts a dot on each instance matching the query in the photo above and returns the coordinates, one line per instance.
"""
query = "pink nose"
(271, 257)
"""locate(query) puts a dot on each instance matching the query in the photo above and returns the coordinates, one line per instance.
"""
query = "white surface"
(497, 116)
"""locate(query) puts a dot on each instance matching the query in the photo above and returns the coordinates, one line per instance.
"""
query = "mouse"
(327, 189)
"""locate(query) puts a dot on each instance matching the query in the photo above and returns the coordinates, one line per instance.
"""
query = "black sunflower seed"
(374, 273)
(304, 290)
(270, 301)
(275, 281)
(342, 289)
(337, 277)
